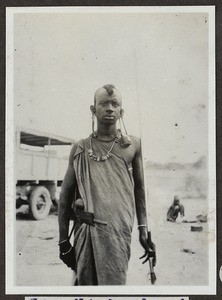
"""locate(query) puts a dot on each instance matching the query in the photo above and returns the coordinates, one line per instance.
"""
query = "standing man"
(105, 174)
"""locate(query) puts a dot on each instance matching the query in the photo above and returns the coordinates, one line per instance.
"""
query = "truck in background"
(41, 162)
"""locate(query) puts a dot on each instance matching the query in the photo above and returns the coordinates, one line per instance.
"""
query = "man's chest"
(127, 153)
(100, 149)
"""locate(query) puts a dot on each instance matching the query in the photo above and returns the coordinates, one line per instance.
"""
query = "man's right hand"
(67, 254)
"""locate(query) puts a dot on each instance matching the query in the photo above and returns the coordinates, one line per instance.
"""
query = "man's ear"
(121, 112)
(93, 109)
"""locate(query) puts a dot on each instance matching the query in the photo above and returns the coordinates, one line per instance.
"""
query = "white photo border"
(11, 288)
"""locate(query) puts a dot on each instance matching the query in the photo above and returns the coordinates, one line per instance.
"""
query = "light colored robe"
(107, 190)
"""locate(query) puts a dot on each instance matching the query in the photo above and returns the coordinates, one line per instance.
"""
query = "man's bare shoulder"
(136, 142)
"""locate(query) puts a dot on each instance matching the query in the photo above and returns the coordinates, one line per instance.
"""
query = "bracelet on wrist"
(64, 246)
(60, 243)
(142, 225)
(64, 253)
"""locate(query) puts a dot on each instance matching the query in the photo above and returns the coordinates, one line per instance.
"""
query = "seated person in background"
(175, 209)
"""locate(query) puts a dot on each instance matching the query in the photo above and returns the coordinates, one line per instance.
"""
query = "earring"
(93, 122)
(120, 128)
(125, 141)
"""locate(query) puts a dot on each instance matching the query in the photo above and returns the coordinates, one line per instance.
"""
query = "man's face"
(108, 109)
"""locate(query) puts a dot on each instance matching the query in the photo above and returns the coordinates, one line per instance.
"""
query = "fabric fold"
(107, 190)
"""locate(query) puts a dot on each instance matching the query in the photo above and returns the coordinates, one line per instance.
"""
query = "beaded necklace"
(95, 157)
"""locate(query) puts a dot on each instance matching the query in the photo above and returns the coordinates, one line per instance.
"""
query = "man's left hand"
(148, 245)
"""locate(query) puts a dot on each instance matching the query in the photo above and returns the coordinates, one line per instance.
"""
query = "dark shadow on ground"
(24, 215)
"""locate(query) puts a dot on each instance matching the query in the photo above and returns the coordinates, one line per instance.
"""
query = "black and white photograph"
(110, 150)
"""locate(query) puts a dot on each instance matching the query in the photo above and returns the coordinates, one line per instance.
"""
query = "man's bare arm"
(140, 202)
(139, 189)
(66, 198)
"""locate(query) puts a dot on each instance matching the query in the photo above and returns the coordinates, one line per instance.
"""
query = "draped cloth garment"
(107, 190)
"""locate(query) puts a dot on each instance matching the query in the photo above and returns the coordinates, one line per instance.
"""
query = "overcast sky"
(158, 61)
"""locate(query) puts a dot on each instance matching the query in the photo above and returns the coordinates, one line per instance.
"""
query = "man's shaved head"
(108, 89)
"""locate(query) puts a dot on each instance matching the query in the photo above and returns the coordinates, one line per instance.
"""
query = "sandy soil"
(37, 262)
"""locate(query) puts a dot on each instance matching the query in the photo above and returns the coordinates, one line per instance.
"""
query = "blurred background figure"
(175, 209)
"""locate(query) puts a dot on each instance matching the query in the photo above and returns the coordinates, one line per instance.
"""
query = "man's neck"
(105, 132)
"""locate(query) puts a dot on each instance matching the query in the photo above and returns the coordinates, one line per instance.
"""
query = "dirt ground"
(182, 255)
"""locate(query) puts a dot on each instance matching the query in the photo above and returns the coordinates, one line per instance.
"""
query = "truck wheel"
(39, 203)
